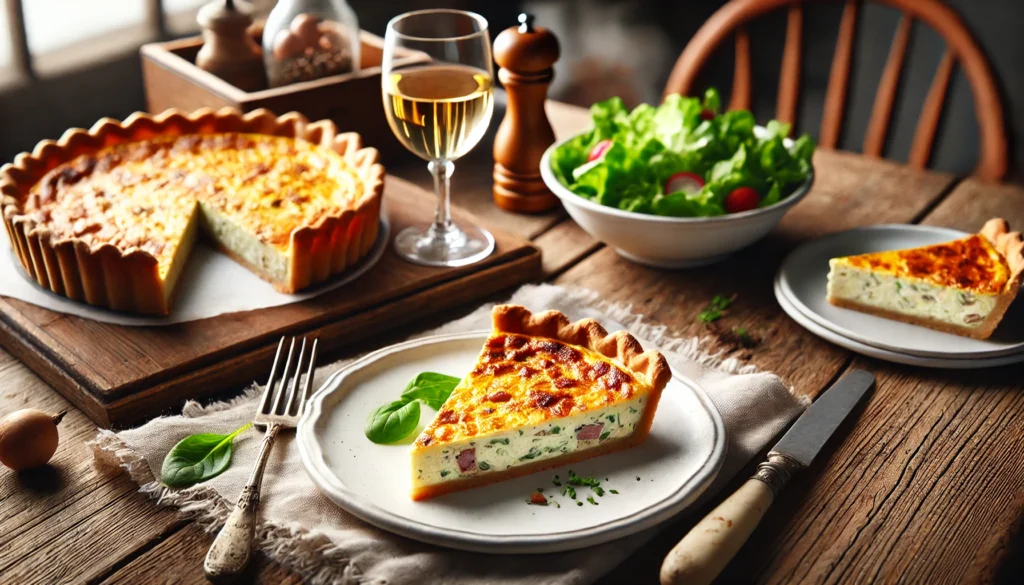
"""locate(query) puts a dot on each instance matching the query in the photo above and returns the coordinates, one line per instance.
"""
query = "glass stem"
(442, 171)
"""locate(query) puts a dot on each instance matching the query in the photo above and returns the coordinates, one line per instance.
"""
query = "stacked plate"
(800, 289)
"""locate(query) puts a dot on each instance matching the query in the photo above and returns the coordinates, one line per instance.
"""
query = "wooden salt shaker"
(525, 55)
(228, 50)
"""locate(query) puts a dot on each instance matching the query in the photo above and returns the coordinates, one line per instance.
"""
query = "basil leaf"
(393, 422)
(431, 388)
(197, 458)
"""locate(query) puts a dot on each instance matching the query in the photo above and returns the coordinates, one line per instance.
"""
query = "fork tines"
(282, 396)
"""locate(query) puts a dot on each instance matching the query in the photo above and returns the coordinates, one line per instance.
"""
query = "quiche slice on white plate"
(962, 287)
(544, 392)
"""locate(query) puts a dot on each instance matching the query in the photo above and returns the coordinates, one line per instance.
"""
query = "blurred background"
(78, 61)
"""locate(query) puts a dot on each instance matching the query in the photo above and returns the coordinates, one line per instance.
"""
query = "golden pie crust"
(990, 262)
(127, 277)
(541, 368)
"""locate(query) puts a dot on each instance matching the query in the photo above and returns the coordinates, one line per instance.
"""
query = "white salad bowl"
(669, 242)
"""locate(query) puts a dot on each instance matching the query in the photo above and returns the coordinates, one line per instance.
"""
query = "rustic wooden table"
(926, 485)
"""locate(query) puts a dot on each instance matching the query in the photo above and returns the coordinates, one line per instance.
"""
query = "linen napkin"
(304, 531)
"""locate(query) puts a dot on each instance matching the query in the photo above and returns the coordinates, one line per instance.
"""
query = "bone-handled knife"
(702, 554)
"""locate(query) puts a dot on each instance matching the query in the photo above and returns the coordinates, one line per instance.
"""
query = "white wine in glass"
(439, 111)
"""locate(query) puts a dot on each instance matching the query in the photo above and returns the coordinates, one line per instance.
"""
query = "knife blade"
(702, 554)
(812, 430)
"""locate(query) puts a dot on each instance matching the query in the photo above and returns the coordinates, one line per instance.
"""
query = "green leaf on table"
(197, 458)
(715, 309)
(430, 388)
(393, 422)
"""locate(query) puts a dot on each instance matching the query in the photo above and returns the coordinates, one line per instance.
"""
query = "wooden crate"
(353, 101)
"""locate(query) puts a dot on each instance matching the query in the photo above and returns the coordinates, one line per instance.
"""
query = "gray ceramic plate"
(675, 465)
(803, 279)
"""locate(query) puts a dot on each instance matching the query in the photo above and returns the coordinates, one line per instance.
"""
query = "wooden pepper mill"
(228, 50)
(525, 55)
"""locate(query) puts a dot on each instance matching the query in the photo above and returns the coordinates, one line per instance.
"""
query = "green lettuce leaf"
(650, 144)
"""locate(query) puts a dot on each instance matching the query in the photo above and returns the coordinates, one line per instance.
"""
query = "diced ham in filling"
(467, 460)
(590, 432)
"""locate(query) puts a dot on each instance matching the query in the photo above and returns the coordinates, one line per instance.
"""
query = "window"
(70, 34)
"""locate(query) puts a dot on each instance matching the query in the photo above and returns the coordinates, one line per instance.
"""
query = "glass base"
(450, 246)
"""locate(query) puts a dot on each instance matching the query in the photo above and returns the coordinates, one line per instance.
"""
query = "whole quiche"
(108, 216)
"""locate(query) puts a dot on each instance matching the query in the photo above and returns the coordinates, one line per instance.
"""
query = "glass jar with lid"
(309, 39)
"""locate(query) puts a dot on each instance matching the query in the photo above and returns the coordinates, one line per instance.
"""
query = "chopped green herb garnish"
(502, 441)
(484, 466)
(579, 503)
(520, 432)
(556, 481)
(591, 500)
(610, 417)
(716, 309)
(604, 436)
(444, 473)
(598, 490)
(556, 430)
(577, 480)
(540, 490)
(569, 491)
(744, 337)
(616, 492)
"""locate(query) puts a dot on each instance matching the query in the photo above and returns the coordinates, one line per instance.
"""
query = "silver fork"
(280, 407)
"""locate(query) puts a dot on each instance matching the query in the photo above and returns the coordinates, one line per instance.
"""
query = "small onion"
(28, 438)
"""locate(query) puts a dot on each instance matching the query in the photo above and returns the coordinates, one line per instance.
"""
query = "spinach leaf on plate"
(393, 422)
(431, 388)
(399, 419)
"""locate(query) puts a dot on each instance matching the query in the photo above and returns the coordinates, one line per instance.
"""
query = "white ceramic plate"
(804, 275)
(675, 464)
(216, 285)
(883, 354)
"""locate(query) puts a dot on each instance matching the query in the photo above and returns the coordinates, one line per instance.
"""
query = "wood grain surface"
(924, 484)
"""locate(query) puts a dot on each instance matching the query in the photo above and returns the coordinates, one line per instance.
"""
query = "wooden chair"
(960, 47)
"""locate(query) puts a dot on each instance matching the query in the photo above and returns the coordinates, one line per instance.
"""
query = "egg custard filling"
(544, 392)
(291, 211)
(962, 287)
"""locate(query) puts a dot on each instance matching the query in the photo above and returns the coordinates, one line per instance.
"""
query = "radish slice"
(686, 182)
(599, 149)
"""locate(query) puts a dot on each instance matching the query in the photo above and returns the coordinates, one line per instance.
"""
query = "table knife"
(702, 554)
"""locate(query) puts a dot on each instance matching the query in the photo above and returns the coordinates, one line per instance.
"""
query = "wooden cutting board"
(119, 375)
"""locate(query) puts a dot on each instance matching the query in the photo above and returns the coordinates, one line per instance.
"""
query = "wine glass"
(439, 110)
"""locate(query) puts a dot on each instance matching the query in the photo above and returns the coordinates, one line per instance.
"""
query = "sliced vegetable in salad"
(683, 158)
